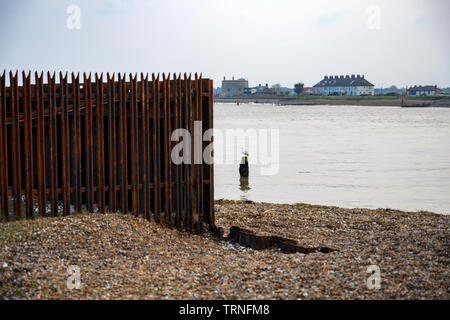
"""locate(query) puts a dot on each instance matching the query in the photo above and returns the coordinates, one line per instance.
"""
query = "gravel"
(125, 257)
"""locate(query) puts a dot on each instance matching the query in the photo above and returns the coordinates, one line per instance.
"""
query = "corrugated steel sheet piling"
(95, 146)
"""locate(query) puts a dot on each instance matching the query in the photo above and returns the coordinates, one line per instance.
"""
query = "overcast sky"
(282, 41)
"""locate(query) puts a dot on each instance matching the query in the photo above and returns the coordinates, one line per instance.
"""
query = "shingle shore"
(124, 257)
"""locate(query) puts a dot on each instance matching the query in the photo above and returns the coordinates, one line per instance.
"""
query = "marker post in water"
(243, 167)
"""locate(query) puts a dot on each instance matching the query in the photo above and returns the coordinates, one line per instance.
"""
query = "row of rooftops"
(344, 81)
(423, 88)
(232, 79)
(346, 77)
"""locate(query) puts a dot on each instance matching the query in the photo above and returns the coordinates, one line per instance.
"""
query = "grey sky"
(281, 41)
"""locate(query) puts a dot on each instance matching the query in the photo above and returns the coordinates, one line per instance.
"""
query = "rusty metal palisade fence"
(93, 146)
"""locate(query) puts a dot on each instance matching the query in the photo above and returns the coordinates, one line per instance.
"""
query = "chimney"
(342, 77)
(326, 78)
(358, 76)
(233, 77)
(363, 76)
(353, 76)
(347, 77)
(336, 77)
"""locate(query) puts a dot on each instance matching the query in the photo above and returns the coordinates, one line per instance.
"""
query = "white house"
(344, 85)
(423, 91)
(308, 90)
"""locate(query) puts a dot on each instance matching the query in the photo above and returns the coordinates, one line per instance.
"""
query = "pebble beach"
(126, 257)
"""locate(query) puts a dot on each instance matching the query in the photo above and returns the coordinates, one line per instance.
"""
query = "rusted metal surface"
(250, 239)
(104, 146)
(53, 151)
(112, 142)
(3, 146)
(76, 142)
(15, 139)
(40, 128)
(28, 144)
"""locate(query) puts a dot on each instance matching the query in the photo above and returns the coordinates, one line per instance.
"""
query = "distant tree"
(276, 88)
(298, 88)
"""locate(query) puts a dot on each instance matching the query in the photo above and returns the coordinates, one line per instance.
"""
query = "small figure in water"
(243, 168)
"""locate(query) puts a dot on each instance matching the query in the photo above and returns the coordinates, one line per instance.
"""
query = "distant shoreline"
(377, 101)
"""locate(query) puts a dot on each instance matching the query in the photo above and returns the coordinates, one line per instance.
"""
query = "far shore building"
(423, 91)
(354, 85)
(308, 91)
(233, 88)
(217, 92)
(260, 89)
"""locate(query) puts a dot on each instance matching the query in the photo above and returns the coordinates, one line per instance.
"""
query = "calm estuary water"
(347, 156)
